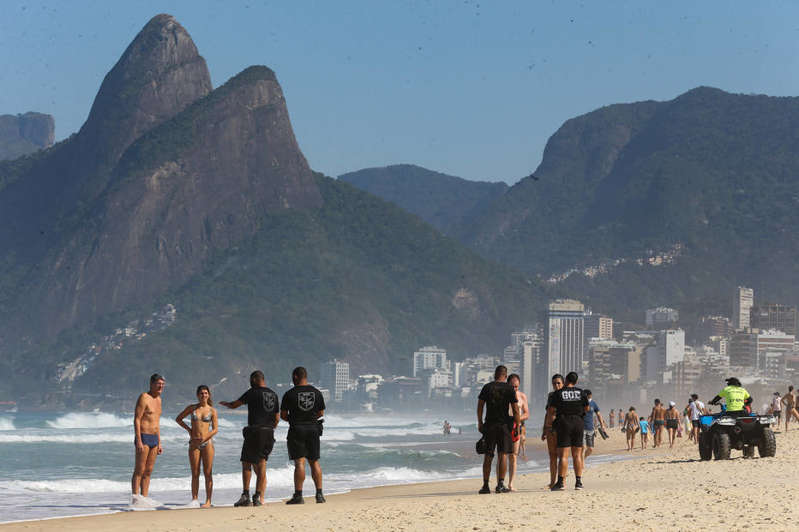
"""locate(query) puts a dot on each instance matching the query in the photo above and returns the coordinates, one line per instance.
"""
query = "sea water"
(74, 463)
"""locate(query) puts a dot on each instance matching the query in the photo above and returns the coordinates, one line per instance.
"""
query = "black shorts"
(671, 423)
(258, 443)
(303, 441)
(777, 414)
(570, 431)
(696, 423)
(497, 435)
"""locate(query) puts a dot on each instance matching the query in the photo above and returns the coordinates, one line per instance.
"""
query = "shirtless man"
(672, 422)
(147, 439)
(790, 406)
(524, 413)
(657, 419)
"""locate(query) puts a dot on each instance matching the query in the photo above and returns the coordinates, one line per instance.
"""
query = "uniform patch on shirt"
(306, 400)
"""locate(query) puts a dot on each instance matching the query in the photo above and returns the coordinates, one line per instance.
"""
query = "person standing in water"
(303, 407)
(147, 437)
(204, 426)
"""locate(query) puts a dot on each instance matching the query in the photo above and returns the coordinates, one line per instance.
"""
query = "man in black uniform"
(259, 436)
(495, 398)
(569, 405)
(302, 407)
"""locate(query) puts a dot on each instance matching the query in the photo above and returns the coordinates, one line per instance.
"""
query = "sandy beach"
(655, 489)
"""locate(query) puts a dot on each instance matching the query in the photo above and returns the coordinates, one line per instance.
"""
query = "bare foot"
(206, 505)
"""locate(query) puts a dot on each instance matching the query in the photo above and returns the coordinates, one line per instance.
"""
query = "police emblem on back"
(269, 400)
(306, 400)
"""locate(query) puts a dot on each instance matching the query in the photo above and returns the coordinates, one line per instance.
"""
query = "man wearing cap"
(147, 437)
(697, 410)
(734, 396)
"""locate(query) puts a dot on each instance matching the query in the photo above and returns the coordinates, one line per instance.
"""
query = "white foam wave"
(278, 478)
(6, 424)
(90, 420)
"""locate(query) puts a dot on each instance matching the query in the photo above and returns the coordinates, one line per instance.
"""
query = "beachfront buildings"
(429, 358)
(598, 326)
(661, 317)
(775, 316)
(564, 340)
(335, 376)
(741, 308)
(749, 349)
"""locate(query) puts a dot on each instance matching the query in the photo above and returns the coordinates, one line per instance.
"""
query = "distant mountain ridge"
(442, 200)
(178, 196)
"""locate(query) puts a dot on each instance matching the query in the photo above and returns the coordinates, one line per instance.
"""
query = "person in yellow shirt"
(734, 396)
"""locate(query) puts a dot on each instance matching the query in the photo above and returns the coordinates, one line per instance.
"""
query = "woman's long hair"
(202, 387)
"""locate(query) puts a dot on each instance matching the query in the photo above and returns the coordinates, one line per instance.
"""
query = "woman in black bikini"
(203, 427)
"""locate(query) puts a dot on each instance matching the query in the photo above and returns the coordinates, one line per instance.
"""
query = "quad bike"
(719, 433)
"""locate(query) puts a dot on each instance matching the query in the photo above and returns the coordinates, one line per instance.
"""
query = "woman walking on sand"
(630, 427)
(549, 433)
(204, 426)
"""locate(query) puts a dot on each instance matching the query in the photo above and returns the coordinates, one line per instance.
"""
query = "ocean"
(75, 463)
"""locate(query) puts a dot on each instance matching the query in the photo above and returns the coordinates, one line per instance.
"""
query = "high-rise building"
(711, 326)
(742, 306)
(598, 326)
(774, 316)
(667, 351)
(335, 376)
(661, 317)
(748, 349)
(563, 342)
(531, 355)
(429, 358)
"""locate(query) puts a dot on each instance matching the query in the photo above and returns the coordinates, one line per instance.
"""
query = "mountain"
(24, 134)
(198, 242)
(650, 203)
(442, 200)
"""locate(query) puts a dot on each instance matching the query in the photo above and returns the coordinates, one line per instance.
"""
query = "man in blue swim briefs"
(147, 436)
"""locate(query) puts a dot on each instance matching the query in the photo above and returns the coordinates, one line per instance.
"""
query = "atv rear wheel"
(705, 446)
(767, 446)
(721, 446)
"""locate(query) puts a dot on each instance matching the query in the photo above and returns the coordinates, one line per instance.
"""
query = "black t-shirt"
(303, 403)
(262, 406)
(569, 401)
(498, 396)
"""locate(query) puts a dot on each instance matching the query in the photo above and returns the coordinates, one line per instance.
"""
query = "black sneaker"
(256, 499)
(296, 499)
(502, 489)
(578, 485)
(557, 486)
(320, 498)
(244, 500)
(485, 489)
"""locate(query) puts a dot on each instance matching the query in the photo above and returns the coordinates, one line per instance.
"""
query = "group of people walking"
(302, 407)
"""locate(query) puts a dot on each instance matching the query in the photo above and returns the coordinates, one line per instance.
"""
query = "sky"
(468, 88)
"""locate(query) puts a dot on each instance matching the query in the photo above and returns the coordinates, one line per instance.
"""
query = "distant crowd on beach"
(302, 407)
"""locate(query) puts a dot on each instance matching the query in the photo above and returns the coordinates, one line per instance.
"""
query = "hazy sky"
(469, 88)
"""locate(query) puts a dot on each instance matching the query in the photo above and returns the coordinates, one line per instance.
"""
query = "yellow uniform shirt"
(735, 397)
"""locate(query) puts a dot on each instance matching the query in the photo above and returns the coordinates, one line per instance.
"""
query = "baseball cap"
(672, 403)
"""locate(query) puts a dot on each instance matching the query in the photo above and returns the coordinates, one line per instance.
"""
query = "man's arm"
(524, 410)
(278, 415)
(517, 417)
(284, 415)
(137, 415)
(601, 421)
(480, 406)
(234, 404)
(319, 414)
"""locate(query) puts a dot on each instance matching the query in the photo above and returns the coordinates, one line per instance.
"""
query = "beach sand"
(655, 489)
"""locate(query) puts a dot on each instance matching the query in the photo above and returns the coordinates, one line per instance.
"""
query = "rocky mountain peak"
(159, 74)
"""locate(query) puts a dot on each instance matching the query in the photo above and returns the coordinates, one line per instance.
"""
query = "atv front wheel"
(721, 446)
(767, 446)
(705, 446)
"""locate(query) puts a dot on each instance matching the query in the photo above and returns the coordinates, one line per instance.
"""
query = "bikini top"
(206, 419)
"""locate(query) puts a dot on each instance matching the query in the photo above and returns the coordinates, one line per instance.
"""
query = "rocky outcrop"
(158, 76)
(24, 134)
(193, 186)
